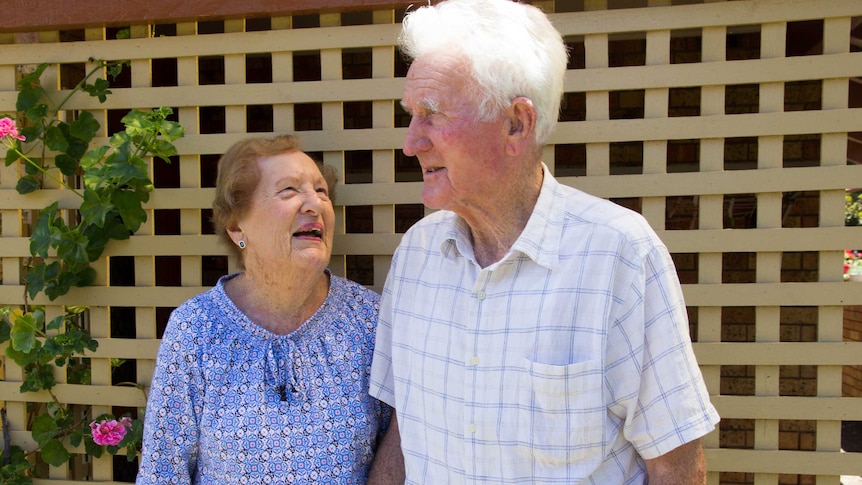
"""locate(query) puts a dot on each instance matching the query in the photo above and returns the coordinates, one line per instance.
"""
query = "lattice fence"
(729, 125)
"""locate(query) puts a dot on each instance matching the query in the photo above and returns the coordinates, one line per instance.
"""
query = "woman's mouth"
(311, 231)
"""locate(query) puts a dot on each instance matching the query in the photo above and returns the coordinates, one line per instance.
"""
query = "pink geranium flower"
(9, 128)
(110, 432)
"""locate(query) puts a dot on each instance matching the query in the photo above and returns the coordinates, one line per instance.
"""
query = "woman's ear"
(521, 125)
(235, 233)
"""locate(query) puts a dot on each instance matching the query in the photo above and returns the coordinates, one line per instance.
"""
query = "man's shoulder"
(604, 218)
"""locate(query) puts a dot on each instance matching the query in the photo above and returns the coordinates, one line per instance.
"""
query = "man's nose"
(416, 140)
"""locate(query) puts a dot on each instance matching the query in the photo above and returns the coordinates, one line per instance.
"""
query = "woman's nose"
(311, 203)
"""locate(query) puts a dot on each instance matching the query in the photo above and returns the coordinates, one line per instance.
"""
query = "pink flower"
(8, 128)
(110, 432)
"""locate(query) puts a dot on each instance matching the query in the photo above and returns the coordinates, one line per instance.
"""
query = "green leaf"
(37, 114)
(29, 96)
(119, 166)
(92, 448)
(171, 130)
(24, 330)
(33, 77)
(76, 437)
(73, 310)
(93, 157)
(115, 68)
(86, 277)
(55, 140)
(40, 275)
(56, 323)
(137, 123)
(54, 453)
(114, 229)
(163, 149)
(77, 148)
(28, 184)
(38, 377)
(11, 157)
(72, 249)
(129, 205)
(44, 429)
(18, 470)
(95, 208)
(67, 165)
(5, 331)
(22, 358)
(98, 89)
(40, 240)
(32, 167)
(59, 285)
(32, 132)
(85, 127)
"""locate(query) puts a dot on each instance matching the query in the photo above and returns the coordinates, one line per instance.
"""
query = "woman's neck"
(280, 305)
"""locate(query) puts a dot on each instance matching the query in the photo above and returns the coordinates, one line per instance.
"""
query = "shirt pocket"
(561, 416)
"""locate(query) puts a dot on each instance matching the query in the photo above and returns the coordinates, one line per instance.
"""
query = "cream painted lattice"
(732, 126)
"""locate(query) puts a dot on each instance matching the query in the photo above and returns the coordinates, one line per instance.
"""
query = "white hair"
(512, 48)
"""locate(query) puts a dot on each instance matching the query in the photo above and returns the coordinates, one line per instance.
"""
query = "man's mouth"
(433, 169)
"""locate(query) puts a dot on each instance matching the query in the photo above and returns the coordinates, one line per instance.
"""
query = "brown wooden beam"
(38, 15)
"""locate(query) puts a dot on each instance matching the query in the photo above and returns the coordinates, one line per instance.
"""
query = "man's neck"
(494, 231)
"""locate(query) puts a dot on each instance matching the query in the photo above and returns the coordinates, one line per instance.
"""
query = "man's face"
(459, 155)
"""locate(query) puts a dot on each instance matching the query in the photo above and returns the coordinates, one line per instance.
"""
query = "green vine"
(112, 182)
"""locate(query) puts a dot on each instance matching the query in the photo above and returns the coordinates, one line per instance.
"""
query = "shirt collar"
(540, 239)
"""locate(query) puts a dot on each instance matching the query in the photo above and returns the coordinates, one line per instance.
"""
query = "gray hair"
(512, 48)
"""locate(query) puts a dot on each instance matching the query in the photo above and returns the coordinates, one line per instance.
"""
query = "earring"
(241, 244)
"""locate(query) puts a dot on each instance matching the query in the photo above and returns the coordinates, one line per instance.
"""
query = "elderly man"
(529, 332)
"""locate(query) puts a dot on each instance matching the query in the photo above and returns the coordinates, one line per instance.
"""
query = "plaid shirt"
(568, 361)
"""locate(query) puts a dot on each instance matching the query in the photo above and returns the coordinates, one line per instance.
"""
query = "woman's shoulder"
(351, 289)
(202, 313)
(355, 303)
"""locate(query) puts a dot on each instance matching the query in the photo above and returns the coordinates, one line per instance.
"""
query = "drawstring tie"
(283, 363)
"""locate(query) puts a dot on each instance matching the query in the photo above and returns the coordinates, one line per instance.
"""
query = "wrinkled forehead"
(294, 165)
(434, 78)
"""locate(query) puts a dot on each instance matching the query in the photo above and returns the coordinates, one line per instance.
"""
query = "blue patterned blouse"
(232, 402)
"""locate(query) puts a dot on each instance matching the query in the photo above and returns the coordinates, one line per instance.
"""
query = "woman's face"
(291, 220)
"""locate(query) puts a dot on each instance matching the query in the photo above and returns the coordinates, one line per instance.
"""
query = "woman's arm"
(170, 439)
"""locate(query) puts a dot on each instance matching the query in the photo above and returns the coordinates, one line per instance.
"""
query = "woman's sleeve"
(170, 443)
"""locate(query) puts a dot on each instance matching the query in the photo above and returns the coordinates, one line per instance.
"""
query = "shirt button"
(480, 295)
(472, 428)
(474, 360)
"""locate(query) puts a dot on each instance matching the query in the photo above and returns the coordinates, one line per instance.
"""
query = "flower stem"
(45, 172)
(99, 65)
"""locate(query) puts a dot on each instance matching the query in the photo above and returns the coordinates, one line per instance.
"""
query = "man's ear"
(521, 125)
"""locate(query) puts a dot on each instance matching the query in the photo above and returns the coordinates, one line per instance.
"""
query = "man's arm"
(388, 466)
(685, 465)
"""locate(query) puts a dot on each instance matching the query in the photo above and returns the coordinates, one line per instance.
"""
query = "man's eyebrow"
(428, 105)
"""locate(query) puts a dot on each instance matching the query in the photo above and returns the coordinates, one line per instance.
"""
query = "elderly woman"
(264, 377)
